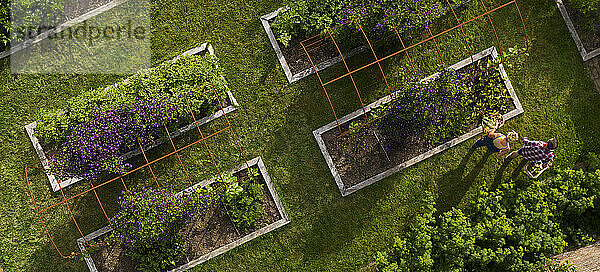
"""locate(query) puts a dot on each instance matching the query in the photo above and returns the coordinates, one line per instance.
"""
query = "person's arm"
(493, 134)
(502, 152)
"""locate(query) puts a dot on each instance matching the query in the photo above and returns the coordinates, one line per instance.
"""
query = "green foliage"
(557, 266)
(509, 229)
(243, 197)
(305, 18)
(592, 160)
(187, 78)
(446, 105)
(590, 10)
(413, 252)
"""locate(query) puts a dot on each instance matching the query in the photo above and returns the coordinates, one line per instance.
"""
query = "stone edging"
(27, 43)
(584, 54)
(281, 222)
(284, 65)
(348, 190)
(46, 165)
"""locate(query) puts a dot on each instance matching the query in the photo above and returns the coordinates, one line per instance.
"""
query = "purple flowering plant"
(97, 145)
(191, 75)
(445, 106)
(149, 220)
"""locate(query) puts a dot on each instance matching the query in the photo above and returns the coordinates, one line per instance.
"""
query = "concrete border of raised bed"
(284, 64)
(281, 222)
(348, 190)
(30, 128)
(585, 55)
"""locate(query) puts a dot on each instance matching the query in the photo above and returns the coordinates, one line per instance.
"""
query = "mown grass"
(275, 121)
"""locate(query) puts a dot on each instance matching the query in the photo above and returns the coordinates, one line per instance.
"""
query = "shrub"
(509, 229)
(171, 82)
(148, 221)
(4, 24)
(243, 200)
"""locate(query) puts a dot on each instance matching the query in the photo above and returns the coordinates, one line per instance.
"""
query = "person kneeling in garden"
(537, 151)
(497, 142)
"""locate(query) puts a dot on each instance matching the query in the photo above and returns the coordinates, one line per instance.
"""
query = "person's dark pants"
(487, 142)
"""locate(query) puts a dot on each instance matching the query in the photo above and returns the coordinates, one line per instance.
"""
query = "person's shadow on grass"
(500, 172)
(452, 185)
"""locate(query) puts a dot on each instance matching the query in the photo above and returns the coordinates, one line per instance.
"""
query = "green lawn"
(275, 121)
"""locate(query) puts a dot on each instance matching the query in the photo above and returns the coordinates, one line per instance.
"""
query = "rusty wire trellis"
(147, 164)
(320, 38)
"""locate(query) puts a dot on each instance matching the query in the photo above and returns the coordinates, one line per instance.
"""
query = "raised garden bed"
(293, 59)
(296, 64)
(206, 235)
(42, 152)
(373, 164)
(587, 41)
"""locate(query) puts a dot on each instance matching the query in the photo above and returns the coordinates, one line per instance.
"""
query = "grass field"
(275, 121)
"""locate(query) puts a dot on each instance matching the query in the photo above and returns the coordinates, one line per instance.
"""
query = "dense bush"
(509, 229)
(96, 145)
(445, 106)
(242, 197)
(170, 82)
(310, 17)
(148, 221)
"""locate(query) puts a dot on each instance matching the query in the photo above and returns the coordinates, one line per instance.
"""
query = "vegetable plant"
(242, 198)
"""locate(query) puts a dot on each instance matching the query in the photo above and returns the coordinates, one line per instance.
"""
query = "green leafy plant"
(508, 229)
(306, 18)
(243, 197)
(188, 79)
